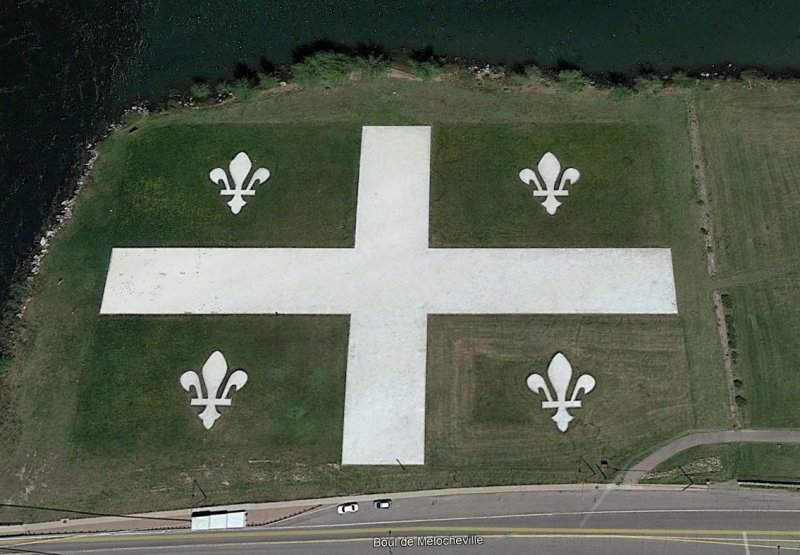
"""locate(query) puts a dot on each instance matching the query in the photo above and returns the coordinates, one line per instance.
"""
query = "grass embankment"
(105, 426)
(735, 461)
(751, 144)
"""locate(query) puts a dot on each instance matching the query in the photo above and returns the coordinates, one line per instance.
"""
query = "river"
(68, 68)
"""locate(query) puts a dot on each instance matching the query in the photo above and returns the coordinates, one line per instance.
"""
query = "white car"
(382, 503)
(347, 508)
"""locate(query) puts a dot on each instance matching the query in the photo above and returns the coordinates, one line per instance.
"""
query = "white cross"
(389, 283)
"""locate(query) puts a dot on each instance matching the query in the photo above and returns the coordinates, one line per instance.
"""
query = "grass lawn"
(161, 193)
(129, 403)
(734, 461)
(752, 148)
(96, 418)
(478, 199)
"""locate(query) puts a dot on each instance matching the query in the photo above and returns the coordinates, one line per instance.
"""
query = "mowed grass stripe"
(481, 413)
(767, 319)
(752, 146)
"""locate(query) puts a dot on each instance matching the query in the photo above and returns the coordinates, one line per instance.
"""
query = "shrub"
(532, 72)
(267, 81)
(328, 68)
(200, 91)
(680, 79)
(751, 78)
(731, 327)
(526, 75)
(5, 360)
(572, 80)
(427, 70)
(519, 79)
(242, 88)
(372, 67)
(223, 88)
(649, 85)
(621, 92)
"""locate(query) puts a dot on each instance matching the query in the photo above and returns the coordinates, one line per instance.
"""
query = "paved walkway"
(649, 464)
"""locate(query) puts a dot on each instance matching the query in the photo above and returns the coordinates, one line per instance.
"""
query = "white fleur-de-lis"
(239, 169)
(214, 371)
(560, 373)
(550, 170)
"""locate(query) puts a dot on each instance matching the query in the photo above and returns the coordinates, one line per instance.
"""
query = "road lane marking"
(526, 515)
(418, 530)
(733, 542)
(596, 504)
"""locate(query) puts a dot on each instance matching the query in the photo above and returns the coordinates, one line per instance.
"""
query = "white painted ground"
(389, 283)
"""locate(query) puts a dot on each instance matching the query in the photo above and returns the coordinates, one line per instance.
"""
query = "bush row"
(328, 68)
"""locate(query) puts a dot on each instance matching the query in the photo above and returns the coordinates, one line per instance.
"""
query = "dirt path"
(699, 165)
(638, 471)
(727, 358)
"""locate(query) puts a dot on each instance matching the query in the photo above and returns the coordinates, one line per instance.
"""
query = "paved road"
(597, 521)
(636, 473)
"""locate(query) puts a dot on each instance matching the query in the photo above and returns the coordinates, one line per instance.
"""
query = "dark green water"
(69, 67)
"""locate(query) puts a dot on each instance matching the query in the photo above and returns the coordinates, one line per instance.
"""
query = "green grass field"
(94, 408)
(752, 148)
(478, 200)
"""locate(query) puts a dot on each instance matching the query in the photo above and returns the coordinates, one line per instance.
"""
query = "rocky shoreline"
(66, 208)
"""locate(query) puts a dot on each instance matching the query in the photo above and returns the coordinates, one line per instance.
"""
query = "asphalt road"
(592, 521)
